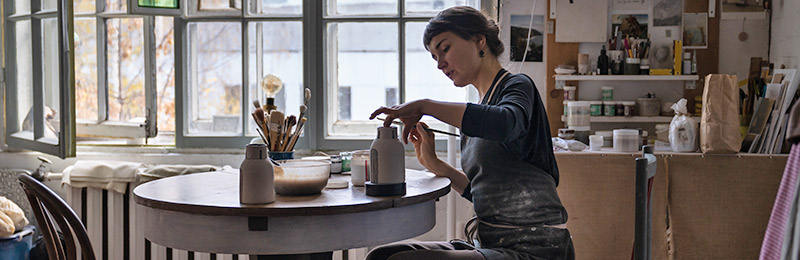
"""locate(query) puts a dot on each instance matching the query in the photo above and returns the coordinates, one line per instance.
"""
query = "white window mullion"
(150, 93)
(102, 63)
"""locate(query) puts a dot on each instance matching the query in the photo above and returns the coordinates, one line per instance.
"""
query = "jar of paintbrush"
(278, 131)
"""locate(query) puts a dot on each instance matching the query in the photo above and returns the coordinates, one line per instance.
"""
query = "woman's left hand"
(409, 113)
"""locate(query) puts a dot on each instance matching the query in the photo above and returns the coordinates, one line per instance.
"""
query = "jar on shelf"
(607, 93)
(609, 108)
(619, 109)
(628, 108)
(578, 113)
(596, 108)
(569, 93)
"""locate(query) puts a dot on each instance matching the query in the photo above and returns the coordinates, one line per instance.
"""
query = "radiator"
(114, 228)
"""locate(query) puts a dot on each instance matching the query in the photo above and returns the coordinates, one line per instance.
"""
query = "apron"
(519, 214)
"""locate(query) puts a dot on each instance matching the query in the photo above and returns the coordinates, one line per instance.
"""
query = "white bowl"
(563, 71)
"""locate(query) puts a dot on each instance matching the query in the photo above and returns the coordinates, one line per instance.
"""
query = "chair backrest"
(646, 167)
(48, 208)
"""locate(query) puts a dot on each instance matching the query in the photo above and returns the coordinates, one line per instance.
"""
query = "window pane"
(275, 7)
(116, 5)
(83, 6)
(48, 4)
(24, 75)
(215, 80)
(171, 4)
(423, 79)
(220, 4)
(22, 6)
(282, 55)
(165, 58)
(367, 60)
(125, 70)
(50, 71)
(434, 6)
(362, 7)
(86, 69)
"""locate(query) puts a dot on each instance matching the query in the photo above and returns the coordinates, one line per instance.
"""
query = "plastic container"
(569, 93)
(358, 167)
(649, 106)
(609, 108)
(565, 106)
(596, 108)
(346, 158)
(301, 177)
(619, 109)
(626, 140)
(644, 67)
(632, 66)
(607, 93)
(662, 132)
(18, 245)
(608, 138)
(595, 142)
(336, 164)
(581, 133)
(578, 113)
(628, 108)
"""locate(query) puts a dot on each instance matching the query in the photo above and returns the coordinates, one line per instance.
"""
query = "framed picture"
(695, 30)
(521, 27)
(630, 25)
(667, 12)
(739, 9)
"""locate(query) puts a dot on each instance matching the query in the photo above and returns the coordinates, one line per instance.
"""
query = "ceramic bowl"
(563, 71)
(301, 177)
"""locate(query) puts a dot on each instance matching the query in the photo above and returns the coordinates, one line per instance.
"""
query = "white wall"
(785, 47)
(734, 55)
(536, 70)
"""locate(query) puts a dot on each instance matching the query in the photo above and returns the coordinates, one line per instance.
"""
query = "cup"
(358, 167)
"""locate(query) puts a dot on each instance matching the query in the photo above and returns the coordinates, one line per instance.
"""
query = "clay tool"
(424, 128)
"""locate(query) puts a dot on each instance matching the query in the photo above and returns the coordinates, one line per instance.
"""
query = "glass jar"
(358, 167)
(346, 157)
(609, 108)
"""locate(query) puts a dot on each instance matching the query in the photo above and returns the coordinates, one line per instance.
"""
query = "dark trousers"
(425, 251)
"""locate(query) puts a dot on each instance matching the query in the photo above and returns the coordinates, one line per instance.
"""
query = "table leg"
(312, 256)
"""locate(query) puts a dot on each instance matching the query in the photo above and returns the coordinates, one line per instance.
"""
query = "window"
(36, 65)
(195, 76)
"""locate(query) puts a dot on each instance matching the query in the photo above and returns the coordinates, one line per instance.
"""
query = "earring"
(480, 53)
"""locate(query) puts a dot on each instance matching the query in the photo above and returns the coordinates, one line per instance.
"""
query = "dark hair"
(466, 22)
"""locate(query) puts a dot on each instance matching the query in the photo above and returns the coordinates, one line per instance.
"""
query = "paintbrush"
(290, 122)
(299, 130)
(275, 128)
(427, 129)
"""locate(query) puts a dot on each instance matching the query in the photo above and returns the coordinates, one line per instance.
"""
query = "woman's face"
(457, 58)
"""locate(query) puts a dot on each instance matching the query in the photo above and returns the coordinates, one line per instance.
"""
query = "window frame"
(64, 145)
(316, 74)
(102, 125)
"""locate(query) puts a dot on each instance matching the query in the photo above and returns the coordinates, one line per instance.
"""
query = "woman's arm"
(411, 112)
(424, 148)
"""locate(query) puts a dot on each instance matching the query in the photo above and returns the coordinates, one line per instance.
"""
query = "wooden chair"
(646, 167)
(49, 207)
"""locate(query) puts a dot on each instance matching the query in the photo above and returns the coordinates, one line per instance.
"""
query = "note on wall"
(581, 21)
(630, 5)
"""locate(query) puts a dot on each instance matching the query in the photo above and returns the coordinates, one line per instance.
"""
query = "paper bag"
(719, 126)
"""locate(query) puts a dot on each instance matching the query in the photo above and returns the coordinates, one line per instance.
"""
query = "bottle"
(687, 63)
(602, 61)
(256, 176)
(387, 169)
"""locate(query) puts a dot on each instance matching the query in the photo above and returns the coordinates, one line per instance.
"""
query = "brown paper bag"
(719, 127)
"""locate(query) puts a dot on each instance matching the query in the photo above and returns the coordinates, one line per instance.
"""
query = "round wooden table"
(201, 212)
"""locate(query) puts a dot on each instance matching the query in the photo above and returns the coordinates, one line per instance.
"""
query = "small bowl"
(562, 71)
(301, 177)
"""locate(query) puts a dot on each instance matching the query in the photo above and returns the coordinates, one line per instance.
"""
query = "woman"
(509, 170)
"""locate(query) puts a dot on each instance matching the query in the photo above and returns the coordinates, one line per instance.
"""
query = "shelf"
(631, 119)
(625, 77)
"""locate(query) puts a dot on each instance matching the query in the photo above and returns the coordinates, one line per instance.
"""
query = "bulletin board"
(581, 21)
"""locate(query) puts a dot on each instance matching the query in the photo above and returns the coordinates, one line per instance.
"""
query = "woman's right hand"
(424, 147)
(409, 113)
